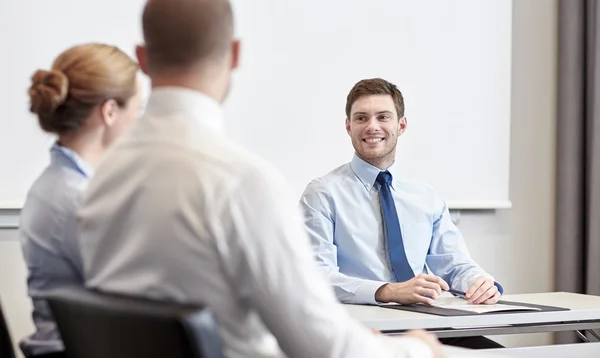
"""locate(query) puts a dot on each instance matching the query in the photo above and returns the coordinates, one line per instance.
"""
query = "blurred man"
(180, 212)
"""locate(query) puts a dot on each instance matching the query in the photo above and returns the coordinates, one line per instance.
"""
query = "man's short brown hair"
(375, 86)
(183, 33)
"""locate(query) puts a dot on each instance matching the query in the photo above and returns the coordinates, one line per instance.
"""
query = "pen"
(457, 293)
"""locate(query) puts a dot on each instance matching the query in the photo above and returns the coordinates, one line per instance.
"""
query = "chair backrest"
(99, 325)
(6, 346)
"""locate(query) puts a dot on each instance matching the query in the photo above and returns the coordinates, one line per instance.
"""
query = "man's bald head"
(181, 34)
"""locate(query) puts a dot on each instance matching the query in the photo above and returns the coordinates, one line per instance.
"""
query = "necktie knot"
(384, 178)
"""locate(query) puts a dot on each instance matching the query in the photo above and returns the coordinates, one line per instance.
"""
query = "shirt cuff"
(365, 294)
(412, 347)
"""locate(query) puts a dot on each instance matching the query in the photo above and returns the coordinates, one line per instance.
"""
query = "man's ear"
(109, 110)
(140, 53)
(235, 54)
(403, 124)
(348, 126)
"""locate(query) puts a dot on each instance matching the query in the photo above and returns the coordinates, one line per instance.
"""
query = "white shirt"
(179, 212)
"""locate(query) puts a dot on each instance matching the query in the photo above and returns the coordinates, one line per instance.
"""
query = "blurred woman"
(87, 99)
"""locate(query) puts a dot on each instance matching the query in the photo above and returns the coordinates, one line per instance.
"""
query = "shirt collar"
(169, 101)
(69, 158)
(367, 173)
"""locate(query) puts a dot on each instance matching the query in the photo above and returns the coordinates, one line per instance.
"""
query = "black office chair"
(100, 325)
(6, 347)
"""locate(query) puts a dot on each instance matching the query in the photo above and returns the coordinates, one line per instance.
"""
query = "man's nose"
(373, 125)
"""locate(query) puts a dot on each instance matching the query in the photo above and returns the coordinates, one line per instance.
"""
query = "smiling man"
(379, 236)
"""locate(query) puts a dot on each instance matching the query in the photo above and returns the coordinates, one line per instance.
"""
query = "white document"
(464, 305)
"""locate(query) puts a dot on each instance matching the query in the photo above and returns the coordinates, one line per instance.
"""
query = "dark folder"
(439, 311)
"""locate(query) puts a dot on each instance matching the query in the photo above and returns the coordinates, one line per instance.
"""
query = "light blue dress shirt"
(345, 224)
(48, 234)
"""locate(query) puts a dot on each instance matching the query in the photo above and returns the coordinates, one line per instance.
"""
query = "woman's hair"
(81, 78)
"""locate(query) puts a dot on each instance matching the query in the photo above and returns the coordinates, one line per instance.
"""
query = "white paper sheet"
(464, 305)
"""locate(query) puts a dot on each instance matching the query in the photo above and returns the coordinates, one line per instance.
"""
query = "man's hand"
(429, 339)
(483, 291)
(421, 289)
(373, 330)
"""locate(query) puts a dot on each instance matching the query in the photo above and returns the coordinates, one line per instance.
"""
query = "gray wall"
(516, 245)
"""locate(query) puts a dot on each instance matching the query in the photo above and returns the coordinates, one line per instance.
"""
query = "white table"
(581, 350)
(584, 315)
(455, 352)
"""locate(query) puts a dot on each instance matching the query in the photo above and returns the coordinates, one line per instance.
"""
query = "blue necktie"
(398, 260)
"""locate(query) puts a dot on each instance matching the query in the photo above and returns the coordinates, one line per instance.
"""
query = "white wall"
(522, 236)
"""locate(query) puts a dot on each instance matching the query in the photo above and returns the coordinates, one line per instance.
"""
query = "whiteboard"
(450, 59)
(33, 33)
